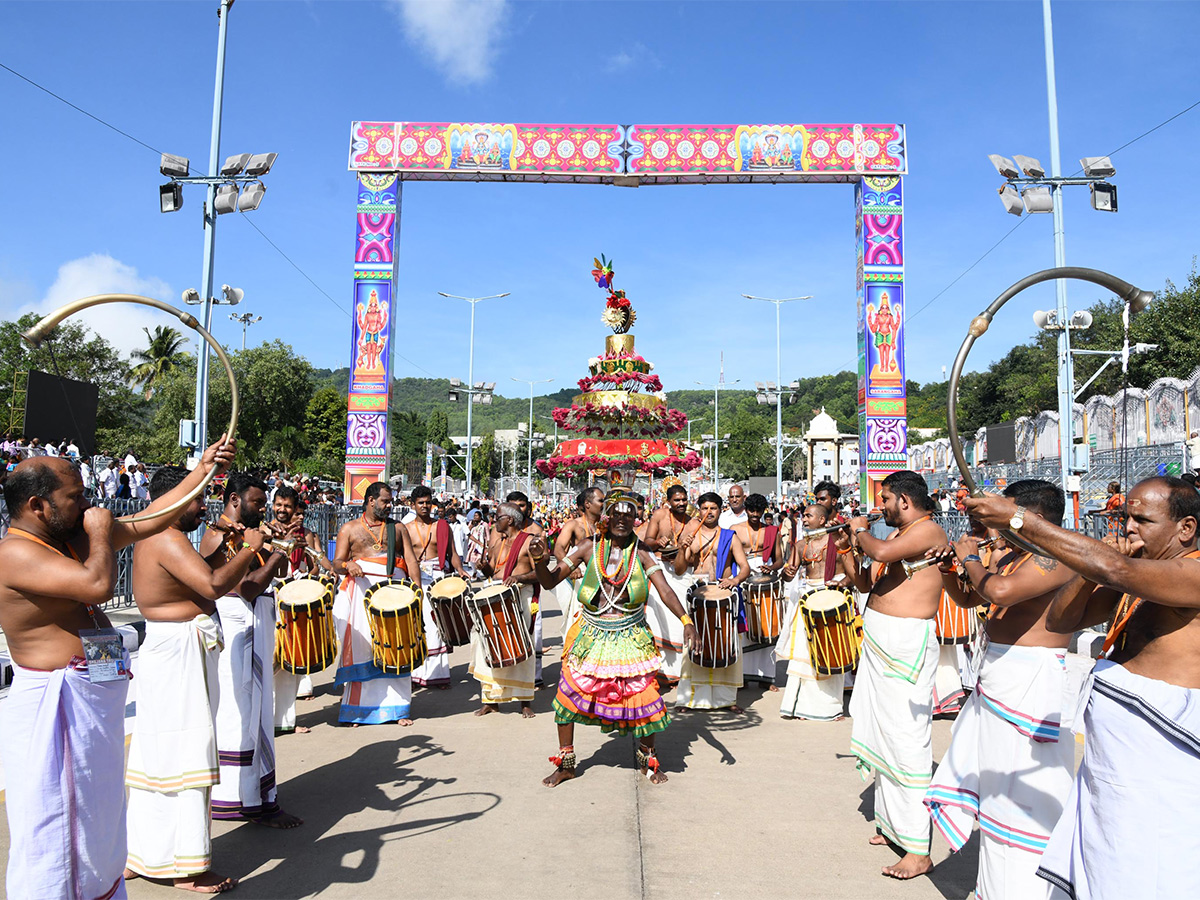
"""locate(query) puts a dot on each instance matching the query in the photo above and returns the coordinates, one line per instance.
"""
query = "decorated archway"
(872, 157)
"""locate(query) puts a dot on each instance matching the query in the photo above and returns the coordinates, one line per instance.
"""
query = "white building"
(832, 456)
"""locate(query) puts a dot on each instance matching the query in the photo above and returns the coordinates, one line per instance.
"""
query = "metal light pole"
(778, 391)
(529, 477)
(1066, 368)
(471, 369)
(247, 319)
(721, 383)
(210, 235)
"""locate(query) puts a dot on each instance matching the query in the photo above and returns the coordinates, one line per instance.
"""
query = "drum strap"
(391, 548)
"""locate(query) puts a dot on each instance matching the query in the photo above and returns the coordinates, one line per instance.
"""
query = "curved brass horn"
(39, 332)
(1135, 297)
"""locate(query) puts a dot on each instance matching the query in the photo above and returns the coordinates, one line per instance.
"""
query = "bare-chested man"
(173, 747)
(892, 702)
(582, 528)
(507, 560)
(369, 549)
(433, 546)
(712, 554)
(665, 537)
(808, 694)
(245, 721)
(1011, 759)
(62, 733)
(521, 501)
(762, 546)
(1130, 810)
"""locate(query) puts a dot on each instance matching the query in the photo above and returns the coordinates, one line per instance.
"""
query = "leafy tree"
(485, 463)
(164, 352)
(281, 446)
(748, 451)
(409, 430)
(325, 425)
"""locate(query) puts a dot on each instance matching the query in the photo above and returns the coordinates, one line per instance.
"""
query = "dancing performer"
(369, 549)
(665, 535)
(760, 544)
(1125, 832)
(609, 666)
(62, 735)
(245, 721)
(173, 749)
(589, 504)
(807, 694)
(288, 516)
(509, 558)
(433, 546)
(1011, 757)
(892, 702)
(712, 554)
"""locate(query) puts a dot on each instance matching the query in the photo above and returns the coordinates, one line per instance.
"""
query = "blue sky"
(79, 213)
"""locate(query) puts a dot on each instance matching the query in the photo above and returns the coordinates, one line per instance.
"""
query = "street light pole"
(247, 319)
(529, 476)
(778, 390)
(1066, 367)
(471, 370)
(210, 236)
(721, 383)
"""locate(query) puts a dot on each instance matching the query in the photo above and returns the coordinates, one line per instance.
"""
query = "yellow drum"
(397, 631)
(829, 619)
(305, 641)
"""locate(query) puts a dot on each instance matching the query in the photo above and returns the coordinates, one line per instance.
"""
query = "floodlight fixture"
(1081, 320)
(1097, 167)
(191, 297)
(226, 200)
(233, 296)
(1004, 165)
(761, 398)
(235, 164)
(759, 386)
(1104, 196)
(1011, 198)
(1029, 166)
(1038, 199)
(260, 164)
(170, 197)
(455, 382)
(485, 399)
(453, 396)
(252, 195)
(1045, 319)
(173, 166)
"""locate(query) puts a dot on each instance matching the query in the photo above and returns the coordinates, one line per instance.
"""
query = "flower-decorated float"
(625, 428)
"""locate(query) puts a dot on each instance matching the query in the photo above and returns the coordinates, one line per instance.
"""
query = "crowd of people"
(700, 598)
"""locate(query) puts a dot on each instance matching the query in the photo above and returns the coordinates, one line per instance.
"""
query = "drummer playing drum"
(762, 545)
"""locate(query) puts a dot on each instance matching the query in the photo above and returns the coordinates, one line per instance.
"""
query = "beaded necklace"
(624, 567)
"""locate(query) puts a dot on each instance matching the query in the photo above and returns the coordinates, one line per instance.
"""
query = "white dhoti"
(665, 626)
(892, 707)
(537, 647)
(564, 593)
(508, 683)
(1127, 830)
(286, 688)
(245, 721)
(807, 694)
(758, 660)
(173, 749)
(948, 693)
(369, 697)
(63, 743)
(1008, 767)
(435, 671)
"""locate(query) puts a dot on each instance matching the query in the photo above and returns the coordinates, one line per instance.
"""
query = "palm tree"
(162, 355)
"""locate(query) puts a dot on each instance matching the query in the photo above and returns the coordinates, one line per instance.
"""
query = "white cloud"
(118, 323)
(460, 35)
(637, 56)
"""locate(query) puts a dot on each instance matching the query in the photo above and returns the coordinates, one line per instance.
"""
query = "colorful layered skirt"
(608, 676)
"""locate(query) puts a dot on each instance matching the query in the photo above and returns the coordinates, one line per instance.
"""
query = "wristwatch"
(1018, 519)
(861, 530)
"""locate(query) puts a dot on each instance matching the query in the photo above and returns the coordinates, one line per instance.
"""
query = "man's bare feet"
(773, 688)
(206, 883)
(526, 711)
(129, 874)
(736, 709)
(878, 840)
(485, 709)
(911, 865)
(278, 820)
(443, 687)
(558, 776)
(657, 777)
(404, 723)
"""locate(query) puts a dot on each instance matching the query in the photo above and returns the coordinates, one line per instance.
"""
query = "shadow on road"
(379, 778)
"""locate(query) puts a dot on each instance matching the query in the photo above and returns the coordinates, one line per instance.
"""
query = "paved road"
(453, 807)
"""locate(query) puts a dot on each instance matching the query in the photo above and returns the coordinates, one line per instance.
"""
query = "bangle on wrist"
(246, 545)
(973, 557)
(686, 620)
